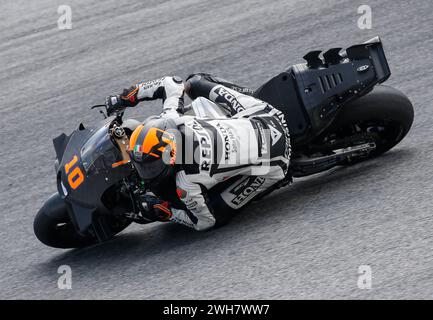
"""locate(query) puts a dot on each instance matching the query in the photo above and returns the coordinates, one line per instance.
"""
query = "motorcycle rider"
(234, 159)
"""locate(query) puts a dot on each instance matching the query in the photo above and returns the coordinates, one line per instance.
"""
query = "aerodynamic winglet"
(313, 59)
(332, 56)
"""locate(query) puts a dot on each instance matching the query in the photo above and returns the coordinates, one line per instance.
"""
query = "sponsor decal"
(113, 100)
(245, 189)
(205, 146)
(149, 84)
(363, 68)
(227, 98)
(282, 119)
(264, 148)
(192, 206)
(275, 135)
(226, 148)
(229, 141)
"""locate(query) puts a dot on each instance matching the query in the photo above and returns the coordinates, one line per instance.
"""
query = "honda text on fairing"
(330, 111)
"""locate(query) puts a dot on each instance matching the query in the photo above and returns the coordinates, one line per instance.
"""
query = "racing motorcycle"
(337, 111)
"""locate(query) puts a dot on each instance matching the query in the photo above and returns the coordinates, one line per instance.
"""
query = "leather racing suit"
(247, 153)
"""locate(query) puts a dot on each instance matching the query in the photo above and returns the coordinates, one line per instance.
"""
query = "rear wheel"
(53, 227)
(383, 116)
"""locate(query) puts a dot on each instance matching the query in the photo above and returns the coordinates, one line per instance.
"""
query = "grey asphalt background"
(305, 241)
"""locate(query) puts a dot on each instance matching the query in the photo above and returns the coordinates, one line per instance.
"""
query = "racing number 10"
(76, 176)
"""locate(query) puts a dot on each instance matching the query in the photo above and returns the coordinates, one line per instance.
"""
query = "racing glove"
(156, 209)
(118, 103)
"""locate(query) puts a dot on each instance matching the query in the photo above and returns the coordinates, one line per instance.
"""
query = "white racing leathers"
(251, 148)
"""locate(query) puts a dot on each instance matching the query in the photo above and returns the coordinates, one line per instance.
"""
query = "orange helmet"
(153, 149)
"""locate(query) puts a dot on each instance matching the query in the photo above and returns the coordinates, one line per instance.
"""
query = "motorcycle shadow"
(292, 199)
(142, 243)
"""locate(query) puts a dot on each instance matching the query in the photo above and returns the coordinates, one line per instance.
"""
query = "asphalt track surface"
(306, 241)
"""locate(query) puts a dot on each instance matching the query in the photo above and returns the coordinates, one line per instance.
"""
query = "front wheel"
(384, 116)
(53, 227)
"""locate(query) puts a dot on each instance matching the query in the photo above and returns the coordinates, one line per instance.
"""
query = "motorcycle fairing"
(310, 94)
(84, 200)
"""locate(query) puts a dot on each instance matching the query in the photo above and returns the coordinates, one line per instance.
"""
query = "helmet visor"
(149, 170)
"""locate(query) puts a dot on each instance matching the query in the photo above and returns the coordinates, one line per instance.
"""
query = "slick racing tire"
(385, 115)
(53, 227)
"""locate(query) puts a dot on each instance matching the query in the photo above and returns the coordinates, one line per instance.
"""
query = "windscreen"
(99, 153)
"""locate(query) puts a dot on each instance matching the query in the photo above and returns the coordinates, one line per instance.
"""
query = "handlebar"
(104, 114)
(118, 114)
